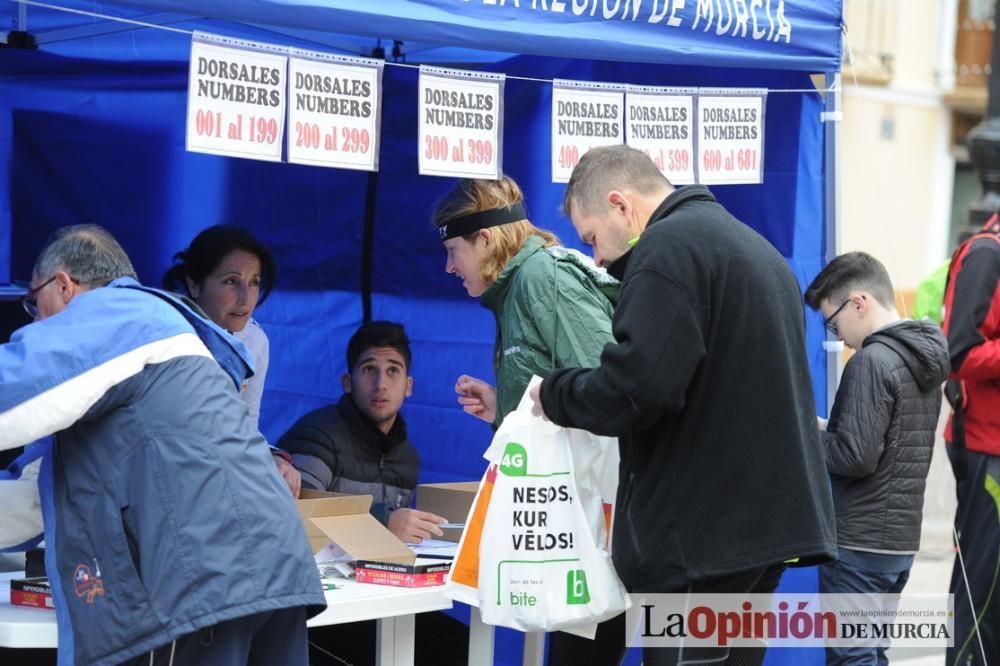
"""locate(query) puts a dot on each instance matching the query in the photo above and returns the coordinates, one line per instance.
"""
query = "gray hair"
(607, 168)
(87, 252)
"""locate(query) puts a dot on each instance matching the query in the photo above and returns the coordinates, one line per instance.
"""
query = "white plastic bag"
(543, 560)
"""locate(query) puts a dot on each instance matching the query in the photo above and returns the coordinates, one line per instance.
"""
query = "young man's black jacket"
(881, 435)
(337, 448)
(708, 389)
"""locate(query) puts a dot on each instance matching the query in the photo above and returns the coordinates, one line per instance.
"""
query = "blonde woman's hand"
(477, 398)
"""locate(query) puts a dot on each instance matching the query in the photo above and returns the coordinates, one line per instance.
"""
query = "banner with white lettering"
(660, 122)
(334, 110)
(584, 115)
(236, 97)
(731, 136)
(461, 123)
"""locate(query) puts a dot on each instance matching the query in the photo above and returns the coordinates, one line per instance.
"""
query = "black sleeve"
(644, 374)
(973, 296)
(313, 453)
(855, 436)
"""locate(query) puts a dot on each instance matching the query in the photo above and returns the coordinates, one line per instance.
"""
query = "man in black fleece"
(722, 478)
(880, 435)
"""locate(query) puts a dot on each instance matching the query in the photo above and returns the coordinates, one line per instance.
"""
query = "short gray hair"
(607, 168)
(87, 252)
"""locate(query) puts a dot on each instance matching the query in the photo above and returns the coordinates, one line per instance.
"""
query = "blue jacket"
(163, 510)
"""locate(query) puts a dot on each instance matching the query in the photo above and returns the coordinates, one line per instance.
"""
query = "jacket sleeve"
(313, 453)
(645, 373)
(855, 436)
(975, 353)
(59, 370)
(576, 319)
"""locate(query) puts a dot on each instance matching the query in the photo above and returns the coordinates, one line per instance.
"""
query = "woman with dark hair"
(229, 273)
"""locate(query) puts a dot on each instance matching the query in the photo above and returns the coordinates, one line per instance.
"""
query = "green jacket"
(553, 310)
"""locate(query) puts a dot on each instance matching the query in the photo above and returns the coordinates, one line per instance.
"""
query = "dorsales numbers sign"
(461, 123)
(334, 111)
(660, 122)
(731, 136)
(236, 98)
(585, 115)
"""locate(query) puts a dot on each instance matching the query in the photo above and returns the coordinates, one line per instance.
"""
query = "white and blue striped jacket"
(163, 511)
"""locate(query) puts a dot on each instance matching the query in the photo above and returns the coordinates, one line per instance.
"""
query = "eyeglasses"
(30, 299)
(828, 322)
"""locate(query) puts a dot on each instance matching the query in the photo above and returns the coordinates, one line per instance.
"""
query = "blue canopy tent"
(92, 122)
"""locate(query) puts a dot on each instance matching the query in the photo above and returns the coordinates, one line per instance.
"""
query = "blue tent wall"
(92, 136)
(97, 141)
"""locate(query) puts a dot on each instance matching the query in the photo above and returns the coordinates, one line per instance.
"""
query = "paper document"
(434, 548)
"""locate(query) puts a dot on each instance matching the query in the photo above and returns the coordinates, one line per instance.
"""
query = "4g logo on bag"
(514, 461)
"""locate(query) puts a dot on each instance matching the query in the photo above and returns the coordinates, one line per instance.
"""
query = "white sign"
(334, 110)
(584, 115)
(236, 98)
(461, 124)
(731, 136)
(660, 122)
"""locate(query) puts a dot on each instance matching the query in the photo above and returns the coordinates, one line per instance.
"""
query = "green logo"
(576, 587)
(515, 460)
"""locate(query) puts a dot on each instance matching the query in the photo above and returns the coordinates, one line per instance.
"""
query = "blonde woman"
(553, 309)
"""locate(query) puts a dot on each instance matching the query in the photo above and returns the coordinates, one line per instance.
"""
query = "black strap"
(467, 224)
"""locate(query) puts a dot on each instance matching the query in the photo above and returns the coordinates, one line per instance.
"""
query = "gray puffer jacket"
(881, 435)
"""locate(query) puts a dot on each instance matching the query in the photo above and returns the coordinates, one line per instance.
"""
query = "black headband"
(466, 224)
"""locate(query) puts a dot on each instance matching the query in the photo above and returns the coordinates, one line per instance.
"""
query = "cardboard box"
(344, 520)
(34, 592)
(422, 573)
(448, 500)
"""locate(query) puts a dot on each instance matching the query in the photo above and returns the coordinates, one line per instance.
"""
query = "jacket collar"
(365, 428)
(231, 354)
(672, 202)
(496, 294)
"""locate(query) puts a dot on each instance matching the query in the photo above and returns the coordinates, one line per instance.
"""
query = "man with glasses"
(880, 436)
(169, 534)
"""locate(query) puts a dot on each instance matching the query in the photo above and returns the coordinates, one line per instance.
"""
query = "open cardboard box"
(344, 519)
(448, 500)
(378, 555)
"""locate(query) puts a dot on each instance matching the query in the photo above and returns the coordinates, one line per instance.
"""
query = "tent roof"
(713, 33)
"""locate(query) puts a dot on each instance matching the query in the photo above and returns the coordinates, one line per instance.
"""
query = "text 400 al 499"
(569, 156)
(744, 159)
(473, 151)
(344, 139)
(253, 129)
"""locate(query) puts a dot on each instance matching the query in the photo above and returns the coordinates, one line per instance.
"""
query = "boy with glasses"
(880, 436)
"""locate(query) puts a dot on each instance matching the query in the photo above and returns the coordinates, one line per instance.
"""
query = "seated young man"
(359, 445)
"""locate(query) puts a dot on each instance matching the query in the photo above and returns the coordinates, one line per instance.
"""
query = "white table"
(22, 627)
(392, 607)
